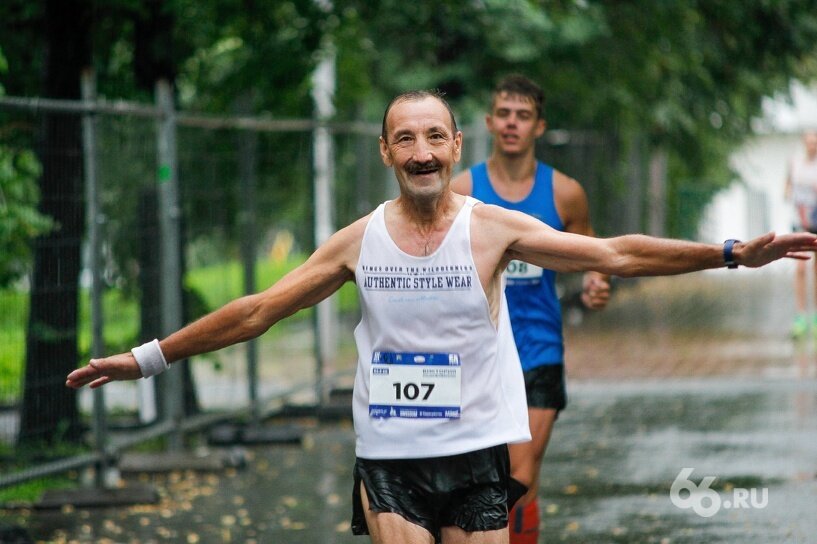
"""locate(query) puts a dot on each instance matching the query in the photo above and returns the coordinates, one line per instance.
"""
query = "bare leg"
(805, 286)
(800, 287)
(526, 463)
(801, 322)
(455, 535)
(526, 458)
(390, 528)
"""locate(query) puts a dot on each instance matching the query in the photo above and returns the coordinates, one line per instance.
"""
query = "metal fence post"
(95, 220)
(247, 165)
(323, 159)
(170, 251)
(106, 155)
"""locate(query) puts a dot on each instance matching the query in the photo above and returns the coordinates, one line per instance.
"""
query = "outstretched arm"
(247, 317)
(530, 240)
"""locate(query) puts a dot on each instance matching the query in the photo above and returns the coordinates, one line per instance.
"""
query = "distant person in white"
(801, 190)
(432, 307)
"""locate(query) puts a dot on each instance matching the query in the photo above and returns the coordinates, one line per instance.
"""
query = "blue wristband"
(728, 257)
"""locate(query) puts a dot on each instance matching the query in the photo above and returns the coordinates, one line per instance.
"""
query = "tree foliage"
(686, 76)
(20, 221)
(680, 77)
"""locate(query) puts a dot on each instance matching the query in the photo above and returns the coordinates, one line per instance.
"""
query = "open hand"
(770, 247)
(98, 372)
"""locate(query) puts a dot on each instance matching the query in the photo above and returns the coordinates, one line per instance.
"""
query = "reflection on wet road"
(607, 475)
(725, 394)
(617, 451)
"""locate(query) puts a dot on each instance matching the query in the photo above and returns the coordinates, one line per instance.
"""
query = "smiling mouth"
(422, 169)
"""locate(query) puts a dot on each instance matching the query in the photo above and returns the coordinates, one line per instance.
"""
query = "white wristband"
(150, 359)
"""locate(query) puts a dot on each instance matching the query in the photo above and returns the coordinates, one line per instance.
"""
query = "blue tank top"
(536, 315)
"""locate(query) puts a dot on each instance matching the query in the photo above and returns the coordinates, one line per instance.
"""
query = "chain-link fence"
(162, 217)
(139, 182)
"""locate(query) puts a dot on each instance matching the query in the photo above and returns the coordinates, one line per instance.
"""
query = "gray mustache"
(413, 167)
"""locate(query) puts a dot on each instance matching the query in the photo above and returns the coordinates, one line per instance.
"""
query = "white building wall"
(755, 202)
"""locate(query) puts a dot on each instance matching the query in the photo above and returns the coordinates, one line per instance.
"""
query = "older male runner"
(433, 402)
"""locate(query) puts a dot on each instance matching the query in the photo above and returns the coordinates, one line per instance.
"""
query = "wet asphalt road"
(607, 475)
(747, 417)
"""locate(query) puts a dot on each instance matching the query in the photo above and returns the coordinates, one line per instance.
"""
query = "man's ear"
(458, 146)
(385, 155)
(541, 126)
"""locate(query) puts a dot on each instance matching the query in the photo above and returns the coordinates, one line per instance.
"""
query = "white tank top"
(804, 182)
(434, 376)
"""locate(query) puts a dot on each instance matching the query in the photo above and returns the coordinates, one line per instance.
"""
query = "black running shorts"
(545, 387)
(469, 491)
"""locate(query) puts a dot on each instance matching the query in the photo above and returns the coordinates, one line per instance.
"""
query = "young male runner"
(514, 179)
(435, 397)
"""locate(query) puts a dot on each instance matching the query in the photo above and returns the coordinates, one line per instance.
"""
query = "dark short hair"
(519, 85)
(417, 95)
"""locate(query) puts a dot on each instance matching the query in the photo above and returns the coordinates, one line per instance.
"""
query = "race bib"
(522, 273)
(415, 385)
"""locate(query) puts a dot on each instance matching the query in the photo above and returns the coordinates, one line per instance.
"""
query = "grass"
(216, 285)
(32, 490)
(13, 318)
(13, 459)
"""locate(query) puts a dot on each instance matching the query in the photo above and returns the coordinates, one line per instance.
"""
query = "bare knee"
(388, 528)
(455, 535)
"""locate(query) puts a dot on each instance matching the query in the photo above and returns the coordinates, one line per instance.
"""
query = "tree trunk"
(49, 412)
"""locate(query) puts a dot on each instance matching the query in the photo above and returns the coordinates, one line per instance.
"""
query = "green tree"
(681, 78)
(20, 222)
(213, 49)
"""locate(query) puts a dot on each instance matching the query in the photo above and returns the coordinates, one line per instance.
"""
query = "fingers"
(596, 299)
(767, 248)
(100, 382)
(804, 239)
(81, 376)
(799, 256)
(98, 372)
(597, 303)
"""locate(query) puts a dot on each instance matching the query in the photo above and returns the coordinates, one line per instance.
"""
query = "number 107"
(411, 390)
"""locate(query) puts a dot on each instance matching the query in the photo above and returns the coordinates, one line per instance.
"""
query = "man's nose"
(422, 151)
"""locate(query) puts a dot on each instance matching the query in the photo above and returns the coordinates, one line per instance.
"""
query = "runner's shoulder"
(494, 216)
(462, 182)
(569, 196)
